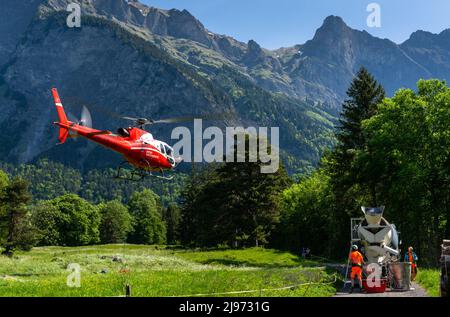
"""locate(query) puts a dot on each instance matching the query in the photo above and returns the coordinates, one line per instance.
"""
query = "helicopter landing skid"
(137, 174)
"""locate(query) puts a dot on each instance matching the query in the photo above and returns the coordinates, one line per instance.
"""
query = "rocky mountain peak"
(175, 23)
(253, 47)
(183, 24)
(333, 20)
(332, 25)
(254, 55)
(333, 30)
(446, 32)
(420, 38)
(334, 40)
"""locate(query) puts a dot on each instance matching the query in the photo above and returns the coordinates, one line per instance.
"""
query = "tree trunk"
(373, 194)
(7, 251)
(10, 237)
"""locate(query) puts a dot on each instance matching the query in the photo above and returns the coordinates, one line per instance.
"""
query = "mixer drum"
(378, 237)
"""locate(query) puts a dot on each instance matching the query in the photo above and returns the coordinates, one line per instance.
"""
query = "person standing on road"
(412, 258)
(356, 261)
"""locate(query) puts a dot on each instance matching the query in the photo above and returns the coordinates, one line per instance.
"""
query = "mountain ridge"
(273, 69)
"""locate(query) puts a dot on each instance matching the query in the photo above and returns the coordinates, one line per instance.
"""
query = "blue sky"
(278, 23)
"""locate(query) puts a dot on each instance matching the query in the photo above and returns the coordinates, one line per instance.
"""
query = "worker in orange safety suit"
(356, 261)
(412, 258)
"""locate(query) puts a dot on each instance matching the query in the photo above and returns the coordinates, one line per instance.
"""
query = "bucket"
(400, 276)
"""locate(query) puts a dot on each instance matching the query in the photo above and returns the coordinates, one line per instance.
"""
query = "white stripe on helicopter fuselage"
(146, 148)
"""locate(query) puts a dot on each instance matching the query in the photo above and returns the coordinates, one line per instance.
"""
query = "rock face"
(431, 50)
(15, 16)
(96, 67)
(141, 61)
(173, 23)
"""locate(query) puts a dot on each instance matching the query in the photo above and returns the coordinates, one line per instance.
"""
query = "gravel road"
(417, 292)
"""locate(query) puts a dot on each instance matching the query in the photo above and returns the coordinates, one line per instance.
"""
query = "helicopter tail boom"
(63, 131)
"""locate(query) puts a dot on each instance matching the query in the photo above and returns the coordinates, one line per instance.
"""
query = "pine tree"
(349, 187)
(191, 201)
(365, 93)
(4, 181)
(172, 218)
(15, 199)
(237, 204)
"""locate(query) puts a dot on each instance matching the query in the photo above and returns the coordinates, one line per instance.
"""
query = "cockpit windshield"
(147, 138)
(169, 150)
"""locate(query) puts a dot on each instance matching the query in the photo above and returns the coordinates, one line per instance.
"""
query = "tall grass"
(430, 280)
(156, 271)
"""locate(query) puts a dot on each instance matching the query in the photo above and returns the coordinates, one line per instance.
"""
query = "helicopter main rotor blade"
(129, 118)
(190, 119)
(176, 120)
(144, 121)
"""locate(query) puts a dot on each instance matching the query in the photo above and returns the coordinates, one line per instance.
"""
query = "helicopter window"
(161, 148)
(168, 150)
(123, 132)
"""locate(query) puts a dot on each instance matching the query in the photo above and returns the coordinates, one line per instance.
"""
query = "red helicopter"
(141, 151)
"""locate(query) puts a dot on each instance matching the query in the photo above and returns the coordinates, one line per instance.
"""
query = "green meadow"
(106, 270)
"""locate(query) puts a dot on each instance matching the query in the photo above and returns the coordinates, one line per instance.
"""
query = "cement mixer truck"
(379, 242)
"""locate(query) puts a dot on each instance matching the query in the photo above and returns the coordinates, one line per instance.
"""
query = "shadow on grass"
(249, 263)
(339, 284)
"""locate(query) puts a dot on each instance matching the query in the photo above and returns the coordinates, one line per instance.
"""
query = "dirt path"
(418, 291)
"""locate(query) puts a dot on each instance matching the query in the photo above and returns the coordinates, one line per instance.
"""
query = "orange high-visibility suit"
(356, 260)
(412, 259)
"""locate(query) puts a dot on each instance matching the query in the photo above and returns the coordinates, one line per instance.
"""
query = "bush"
(47, 218)
(68, 220)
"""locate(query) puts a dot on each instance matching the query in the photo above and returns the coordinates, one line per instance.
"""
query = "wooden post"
(128, 290)
(445, 269)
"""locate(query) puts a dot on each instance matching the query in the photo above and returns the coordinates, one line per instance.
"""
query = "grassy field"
(157, 271)
(430, 280)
